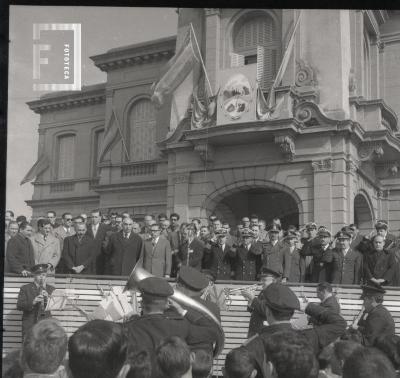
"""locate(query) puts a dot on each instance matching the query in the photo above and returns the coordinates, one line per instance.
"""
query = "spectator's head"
(343, 240)
(25, 229)
(390, 346)
(341, 352)
(204, 231)
(139, 363)
(155, 231)
(135, 227)
(216, 224)
(368, 363)
(381, 227)
(118, 222)
(148, 219)
(78, 220)
(239, 364)
(9, 216)
(84, 217)
(226, 227)
(324, 237)
(188, 232)
(290, 355)
(262, 224)
(324, 290)
(44, 347)
(162, 217)
(379, 242)
(105, 219)
(96, 216)
(67, 219)
(354, 227)
(52, 216)
(372, 295)
(165, 224)
(311, 230)
(174, 358)
(125, 214)
(97, 349)
(196, 222)
(21, 218)
(253, 220)
(127, 225)
(256, 230)
(292, 237)
(80, 229)
(246, 222)
(113, 217)
(174, 219)
(11, 365)
(279, 303)
(12, 228)
(191, 282)
(273, 232)
(202, 363)
(44, 227)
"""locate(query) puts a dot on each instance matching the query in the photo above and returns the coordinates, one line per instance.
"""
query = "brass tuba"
(138, 274)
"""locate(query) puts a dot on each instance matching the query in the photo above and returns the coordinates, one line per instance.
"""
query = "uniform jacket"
(321, 262)
(379, 265)
(246, 262)
(376, 323)
(195, 257)
(347, 269)
(331, 326)
(157, 259)
(77, 253)
(221, 262)
(291, 264)
(20, 255)
(31, 314)
(272, 256)
(46, 251)
(122, 253)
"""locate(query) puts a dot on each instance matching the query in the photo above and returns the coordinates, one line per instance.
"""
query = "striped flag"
(40, 166)
(111, 137)
(180, 67)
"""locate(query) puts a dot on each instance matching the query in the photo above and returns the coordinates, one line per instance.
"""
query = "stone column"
(323, 192)
(181, 195)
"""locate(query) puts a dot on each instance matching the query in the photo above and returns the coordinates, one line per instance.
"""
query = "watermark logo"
(56, 57)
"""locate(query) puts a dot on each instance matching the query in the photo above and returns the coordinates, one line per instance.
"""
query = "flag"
(111, 137)
(270, 103)
(40, 166)
(179, 68)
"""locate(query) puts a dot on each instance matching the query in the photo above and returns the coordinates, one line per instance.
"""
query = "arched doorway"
(267, 203)
(362, 214)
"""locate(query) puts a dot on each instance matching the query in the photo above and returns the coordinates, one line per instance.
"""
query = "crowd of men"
(113, 244)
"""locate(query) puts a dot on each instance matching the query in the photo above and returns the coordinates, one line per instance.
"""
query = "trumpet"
(229, 291)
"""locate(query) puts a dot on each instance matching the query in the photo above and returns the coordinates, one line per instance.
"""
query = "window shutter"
(237, 60)
(260, 65)
(266, 66)
(66, 156)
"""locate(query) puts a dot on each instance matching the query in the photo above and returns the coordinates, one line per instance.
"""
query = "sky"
(102, 28)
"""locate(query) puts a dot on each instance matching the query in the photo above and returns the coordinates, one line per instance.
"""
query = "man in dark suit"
(33, 297)
(220, 258)
(123, 250)
(328, 300)
(191, 249)
(98, 232)
(347, 263)
(20, 255)
(78, 254)
(157, 256)
(376, 320)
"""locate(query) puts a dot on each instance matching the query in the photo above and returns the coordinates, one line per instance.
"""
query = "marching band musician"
(267, 277)
(376, 320)
(33, 297)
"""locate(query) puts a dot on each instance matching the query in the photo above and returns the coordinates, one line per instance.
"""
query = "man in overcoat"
(191, 249)
(157, 255)
(272, 252)
(123, 250)
(220, 258)
(33, 297)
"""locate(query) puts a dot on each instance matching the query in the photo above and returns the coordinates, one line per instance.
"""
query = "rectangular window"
(66, 157)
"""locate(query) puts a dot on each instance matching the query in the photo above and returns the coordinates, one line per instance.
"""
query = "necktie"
(126, 236)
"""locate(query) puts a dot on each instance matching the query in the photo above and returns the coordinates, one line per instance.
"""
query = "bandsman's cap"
(155, 287)
(372, 288)
(381, 224)
(343, 235)
(274, 228)
(269, 272)
(39, 269)
(280, 298)
(324, 233)
(192, 278)
(311, 226)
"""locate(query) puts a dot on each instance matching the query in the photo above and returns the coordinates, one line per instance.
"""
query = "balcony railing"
(139, 169)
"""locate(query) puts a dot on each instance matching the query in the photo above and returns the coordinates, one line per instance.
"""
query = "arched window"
(256, 40)
(142, 131)
(366, 66)
(66, 156)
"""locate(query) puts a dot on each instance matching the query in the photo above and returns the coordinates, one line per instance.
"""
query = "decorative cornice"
(305, 74)
(390, 38)
(286, 144)
(382, 194)
(146, 52)
(91, 95)
(322, 165)
(181, 178)
(366, 150)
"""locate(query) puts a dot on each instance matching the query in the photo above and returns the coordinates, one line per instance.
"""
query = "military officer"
(221, 258)
(33, 297)
(267, 277)
(376, 320)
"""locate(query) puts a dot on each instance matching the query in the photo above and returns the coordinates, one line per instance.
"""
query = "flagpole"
(201, 59)
(120, 133)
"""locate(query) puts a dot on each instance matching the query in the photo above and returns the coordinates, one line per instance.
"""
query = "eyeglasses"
(68, 219)
(174, 219)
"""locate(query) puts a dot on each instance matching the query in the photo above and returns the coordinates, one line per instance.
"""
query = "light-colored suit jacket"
(61, 234)
(46, 252)
(157, 259)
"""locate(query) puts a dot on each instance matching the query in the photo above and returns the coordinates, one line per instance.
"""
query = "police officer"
(33, 298)
(279, 304)
(376, 320)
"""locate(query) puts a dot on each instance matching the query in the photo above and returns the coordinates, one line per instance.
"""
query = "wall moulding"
(367, 150)
(322, 165)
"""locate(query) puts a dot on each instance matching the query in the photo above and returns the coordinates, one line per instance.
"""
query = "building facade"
(327, 151)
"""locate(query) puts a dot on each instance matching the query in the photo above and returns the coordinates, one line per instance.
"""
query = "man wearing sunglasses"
(66, 229)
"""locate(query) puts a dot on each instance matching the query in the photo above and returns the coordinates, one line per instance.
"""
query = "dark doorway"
(266, 203)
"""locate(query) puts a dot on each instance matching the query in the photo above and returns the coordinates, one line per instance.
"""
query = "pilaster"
(213, 30)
